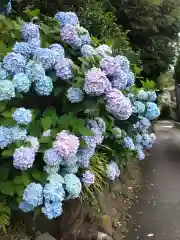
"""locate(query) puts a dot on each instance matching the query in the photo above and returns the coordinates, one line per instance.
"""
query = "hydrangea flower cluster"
(113, 170)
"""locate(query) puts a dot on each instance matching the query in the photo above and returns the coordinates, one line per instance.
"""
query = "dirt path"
(157, 213)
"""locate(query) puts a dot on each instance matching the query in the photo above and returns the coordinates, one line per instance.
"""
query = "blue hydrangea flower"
(88, 178)
(3, 74)
(118, 105)
(128, 143)
(67, 18)
(23, 158)
(5, 137)
(14, 63)
(33, 194)
(26, 207)
(113, 170)
(45, 57)
(18, 134)
(120, 81)
(84, 156)
(44, 86)
(34, 143)
(103, 51)
(83, 35)
(35, 44)
(88, 51)
(96, 82)
(51, 157)
(53, 192)
(123, 62)
(153, 137)
(7, 90)
(101, 124)
(70, 161)
(131, 96)
(130, 79)
(34, 71)
(69, 35)
(152, 111)
(63, 69)
(152, 96)
(51, 169)
(142, 95)
(110, 66)
(22, 116)
(30, 30)
(21, 82)
(72, 186)
(22, 48)
(55, 179)
(146, 141)
(57, 50)
(140, 154)
(75, 95)
(138, 138)
(52, 210)
(71, 169)
(138, 107)
(142, 125)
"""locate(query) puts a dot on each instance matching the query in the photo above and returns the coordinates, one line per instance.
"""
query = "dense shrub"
(70, 114)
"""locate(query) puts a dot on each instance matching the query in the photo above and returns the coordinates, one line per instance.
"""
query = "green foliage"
(5, 213)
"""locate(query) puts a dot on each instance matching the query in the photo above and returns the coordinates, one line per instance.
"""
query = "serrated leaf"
(46, 123)
(7, 188)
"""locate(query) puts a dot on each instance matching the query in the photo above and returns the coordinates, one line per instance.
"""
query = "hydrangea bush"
(64, 100)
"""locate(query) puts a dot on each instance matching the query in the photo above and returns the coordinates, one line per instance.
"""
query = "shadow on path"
(157, 213)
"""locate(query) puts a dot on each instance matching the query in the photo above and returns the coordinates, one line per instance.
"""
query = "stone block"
(45, 236)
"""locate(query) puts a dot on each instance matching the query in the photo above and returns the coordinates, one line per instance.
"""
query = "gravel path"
(157, 213)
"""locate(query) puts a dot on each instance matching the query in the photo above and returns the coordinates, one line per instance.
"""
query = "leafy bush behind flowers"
(70, 114)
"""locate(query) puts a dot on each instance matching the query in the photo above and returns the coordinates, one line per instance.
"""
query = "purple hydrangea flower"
(123, 62)
(51, 157)
(67, 18)
(88, 178)
(118, 105)
(120, 81)
(46, 57)
(63, 69)
(96, 82)
(14, 63)
(84, 156)
(23, 158)
(33, 194)
(109, 66)
(66, 144)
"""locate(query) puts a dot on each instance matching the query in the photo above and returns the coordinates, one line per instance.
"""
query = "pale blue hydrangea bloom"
(26, 207)
(23, 48)
(52, 210)
(152, 96)
(131, 96)
(70, 161)
(34, 143)
(152, 111)
(3, 74)
(120, 81)
(29, 31)
(23, 158)
(103, 51)
(128, 143)
(130, 79)
(53, 192)
(63, 69)
(142, 124)
(75, 95)
(5, 137)
(44, 86)
(34, 43)
(45, 57)
(21, 82)
(14, 63)
(153, 137)
(146, 141)
(71, 169)
(83, 35)
(101, 124)
(84, 156)
(138, 107)
(33, 194)
(123, 62)
(52, 169)
(88, 178)
(140, 154)
(51, 157)
(88, 51)
(142, 95)
(96, 82)
(72, 186)
(57, 50)
(67, 18)
(7, 90)
(113, 170)
(138, 138)
(55, 179)
(18, 134)
(22, 116)
(34, 71)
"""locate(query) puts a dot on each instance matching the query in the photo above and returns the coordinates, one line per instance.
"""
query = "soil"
(84, 222)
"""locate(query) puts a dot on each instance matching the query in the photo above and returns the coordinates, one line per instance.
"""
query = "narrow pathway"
(157, 213)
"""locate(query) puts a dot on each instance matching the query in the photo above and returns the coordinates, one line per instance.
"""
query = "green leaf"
(46, 123)
(35, 128)
(39, 176)
(18, 180)
(25, 178)
(7, 188)
(45, 140)
(2, 107)
(4, 171)
(19, 189)
(32, 13)
(64, 121)
(83, 131)
(7, 153)
(7, 114)
(51, 113)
